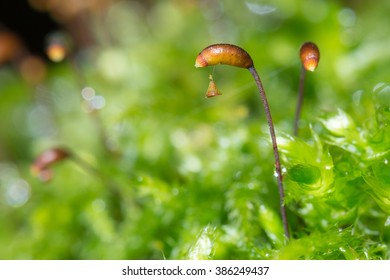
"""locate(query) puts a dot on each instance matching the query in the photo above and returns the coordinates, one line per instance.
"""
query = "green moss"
(304, 174)
(180, 176)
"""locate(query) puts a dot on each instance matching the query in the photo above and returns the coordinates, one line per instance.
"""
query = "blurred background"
(154, 170)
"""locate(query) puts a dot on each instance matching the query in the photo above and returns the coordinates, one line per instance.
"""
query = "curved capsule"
(48, 158)
(223, 54)
(310, 56)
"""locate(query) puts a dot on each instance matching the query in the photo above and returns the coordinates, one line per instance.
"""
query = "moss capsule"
(310, 56)
(235, 56)
(224, 54)
(43, 162)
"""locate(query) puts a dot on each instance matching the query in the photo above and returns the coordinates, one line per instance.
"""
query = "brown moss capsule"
(223, 54)
(235, 56)
(42, 163)
(310, 56)
(212, 89)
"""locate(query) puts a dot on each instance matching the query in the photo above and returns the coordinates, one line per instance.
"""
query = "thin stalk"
(114, 194)
(300, 100)
(87, 167)
(275, 148)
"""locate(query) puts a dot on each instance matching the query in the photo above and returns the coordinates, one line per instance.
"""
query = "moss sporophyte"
(235, 56)
(310, 56)
(44, 162)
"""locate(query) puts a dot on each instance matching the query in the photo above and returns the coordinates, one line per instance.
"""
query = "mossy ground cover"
(178, 176)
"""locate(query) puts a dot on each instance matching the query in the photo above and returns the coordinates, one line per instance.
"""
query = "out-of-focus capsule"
(41, 165)
(310, 56)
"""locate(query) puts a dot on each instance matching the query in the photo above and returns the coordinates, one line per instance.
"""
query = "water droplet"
(98, 102)
(88, 93)
(17, 193)
(347, 17)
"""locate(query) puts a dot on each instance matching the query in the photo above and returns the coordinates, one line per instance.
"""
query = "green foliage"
(182, 177)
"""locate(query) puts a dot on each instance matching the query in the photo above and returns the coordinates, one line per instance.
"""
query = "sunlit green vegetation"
(178, 176)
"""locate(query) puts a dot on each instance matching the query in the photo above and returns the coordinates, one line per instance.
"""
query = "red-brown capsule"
(310, 56)
(47, 158)
(224, 54)
(212, 89)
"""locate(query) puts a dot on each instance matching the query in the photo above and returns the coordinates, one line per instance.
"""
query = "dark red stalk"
(300, 100)
(278, 168)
